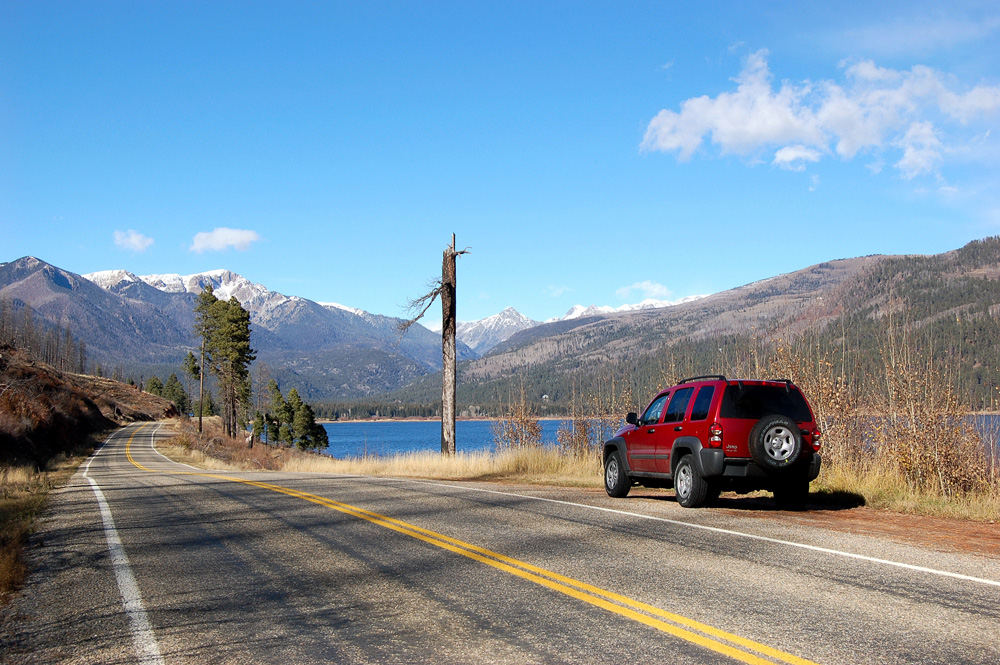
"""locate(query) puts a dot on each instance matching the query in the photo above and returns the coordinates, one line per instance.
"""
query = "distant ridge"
(143, 325)
(950, 302)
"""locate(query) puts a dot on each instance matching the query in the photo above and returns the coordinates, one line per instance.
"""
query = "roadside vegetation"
(49, 418)
(531, 464)
(24, 492)
(898, 436)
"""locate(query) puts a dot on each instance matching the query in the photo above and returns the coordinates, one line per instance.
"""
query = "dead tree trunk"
(448, 373)
(446, 290)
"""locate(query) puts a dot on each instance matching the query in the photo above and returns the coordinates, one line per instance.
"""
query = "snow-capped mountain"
(335, 350)
(484, 334)
(580, 311)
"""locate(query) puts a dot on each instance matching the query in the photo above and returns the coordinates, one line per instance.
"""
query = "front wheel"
(691, 488)
(616, 480)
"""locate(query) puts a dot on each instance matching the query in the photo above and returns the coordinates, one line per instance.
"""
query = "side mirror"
(632, 418)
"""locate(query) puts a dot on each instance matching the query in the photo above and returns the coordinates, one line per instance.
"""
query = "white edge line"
(714, 529)
(152, 445)
(142, 632)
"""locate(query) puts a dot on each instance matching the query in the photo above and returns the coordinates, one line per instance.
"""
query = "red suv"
(708, 434)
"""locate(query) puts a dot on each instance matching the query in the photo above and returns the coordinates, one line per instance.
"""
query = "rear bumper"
(714, 464)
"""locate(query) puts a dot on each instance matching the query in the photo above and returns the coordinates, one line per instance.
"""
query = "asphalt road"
(239, 567)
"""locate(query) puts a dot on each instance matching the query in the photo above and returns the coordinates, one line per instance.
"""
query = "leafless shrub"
(906, 424)
(594, 417)
(518, 427)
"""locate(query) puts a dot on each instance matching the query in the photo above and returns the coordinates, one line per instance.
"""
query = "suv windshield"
(758, 401)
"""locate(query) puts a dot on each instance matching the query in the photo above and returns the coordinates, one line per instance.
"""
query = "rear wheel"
(691, 488)
(616, 481)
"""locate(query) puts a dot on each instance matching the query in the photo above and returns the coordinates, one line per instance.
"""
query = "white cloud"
(647, 289)
(921, 150)
(920, 113)
(813, 183)
(738, 122)
(557, 291)
(791, 157)
(223, 238)
(132, 240)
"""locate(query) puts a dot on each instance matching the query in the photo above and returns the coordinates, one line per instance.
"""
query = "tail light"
(816, 436)
(714, 435)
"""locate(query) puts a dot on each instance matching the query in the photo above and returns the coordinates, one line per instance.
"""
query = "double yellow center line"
(709, 637)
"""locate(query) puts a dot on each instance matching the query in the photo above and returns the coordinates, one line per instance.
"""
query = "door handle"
(678, 429)
(650, 430)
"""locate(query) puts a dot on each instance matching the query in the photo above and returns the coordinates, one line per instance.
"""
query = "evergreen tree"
(204, 326)
(174, 391)
(224, 327)
(294, 402)
(258, 427)
(154, 386)
(190, 367)
(280, 409)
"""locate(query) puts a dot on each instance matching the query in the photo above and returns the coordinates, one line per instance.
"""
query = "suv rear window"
(758, 401)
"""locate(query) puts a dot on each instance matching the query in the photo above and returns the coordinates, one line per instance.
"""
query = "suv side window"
(702, 403)
(652, 413)
(678, 405)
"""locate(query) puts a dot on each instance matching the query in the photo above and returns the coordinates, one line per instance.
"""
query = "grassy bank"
(539, 465)
(885, 490)
(24, 493)
(530, 464)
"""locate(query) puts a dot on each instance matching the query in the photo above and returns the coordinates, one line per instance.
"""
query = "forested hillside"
(944, 306)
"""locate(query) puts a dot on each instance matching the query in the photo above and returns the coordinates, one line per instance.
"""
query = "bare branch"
(423, 303)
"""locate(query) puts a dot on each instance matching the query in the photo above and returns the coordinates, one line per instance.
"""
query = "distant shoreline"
(417, 419)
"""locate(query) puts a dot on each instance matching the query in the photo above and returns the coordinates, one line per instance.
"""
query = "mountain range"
(143, 325)
(947, 305)
(138, 326)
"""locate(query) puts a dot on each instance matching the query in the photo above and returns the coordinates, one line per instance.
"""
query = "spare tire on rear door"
(775, 442)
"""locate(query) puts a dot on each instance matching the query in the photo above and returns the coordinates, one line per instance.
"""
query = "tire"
(792, 494)
(616, 480)
(776, 443)
(691, 488)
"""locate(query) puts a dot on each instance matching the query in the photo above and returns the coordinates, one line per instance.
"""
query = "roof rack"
(699, 378)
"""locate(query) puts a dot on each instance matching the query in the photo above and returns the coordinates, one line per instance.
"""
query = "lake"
(356, 439)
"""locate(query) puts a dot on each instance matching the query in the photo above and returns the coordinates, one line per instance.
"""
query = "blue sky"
(584, 152)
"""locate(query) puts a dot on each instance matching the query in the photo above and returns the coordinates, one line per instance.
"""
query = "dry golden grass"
(23, 494)
(526, 464)
(883, 489)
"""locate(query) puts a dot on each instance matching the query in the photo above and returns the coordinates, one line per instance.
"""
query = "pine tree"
(190, 367)
(204, 326)
(224, 327)
(258, 427)
(174, 391)
(154, 386)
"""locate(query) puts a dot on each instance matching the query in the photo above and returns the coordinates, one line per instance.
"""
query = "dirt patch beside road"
(940, 533)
